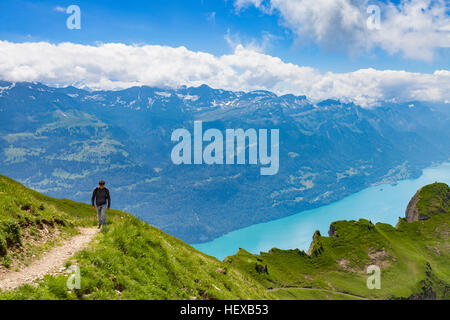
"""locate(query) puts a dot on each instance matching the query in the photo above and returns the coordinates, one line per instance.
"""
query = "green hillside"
(129, 259)
(133, 260)
(414, 257)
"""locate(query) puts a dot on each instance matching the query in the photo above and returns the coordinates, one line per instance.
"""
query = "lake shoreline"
(382, 202)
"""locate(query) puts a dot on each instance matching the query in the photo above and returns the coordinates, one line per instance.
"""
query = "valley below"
(62, 141)
(384, 203)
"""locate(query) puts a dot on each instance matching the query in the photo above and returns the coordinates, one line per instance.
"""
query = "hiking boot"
(99, 226)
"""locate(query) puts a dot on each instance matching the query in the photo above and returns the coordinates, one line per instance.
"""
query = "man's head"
(101, 184)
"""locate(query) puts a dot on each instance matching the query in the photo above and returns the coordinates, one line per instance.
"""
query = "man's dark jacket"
(101, 196)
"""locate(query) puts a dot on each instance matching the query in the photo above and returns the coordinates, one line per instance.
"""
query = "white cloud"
(115, 66)
(260, 45)
(240, 4)
(59, 9)
(414, 28)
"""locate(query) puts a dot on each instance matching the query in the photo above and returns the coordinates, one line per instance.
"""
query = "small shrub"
(261, 269)
(3, 245)
(12, 233)
(6, 262)
(26, 207)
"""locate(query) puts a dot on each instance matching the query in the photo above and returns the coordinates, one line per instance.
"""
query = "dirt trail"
(50, 262)
(323, 290)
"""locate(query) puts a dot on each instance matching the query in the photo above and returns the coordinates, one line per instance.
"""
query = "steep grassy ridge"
(414, 257)
(31, 222)
(129, 259)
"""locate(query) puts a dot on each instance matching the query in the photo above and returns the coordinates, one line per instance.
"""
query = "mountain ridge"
(62, 144)
(413, 256)
(70, 89)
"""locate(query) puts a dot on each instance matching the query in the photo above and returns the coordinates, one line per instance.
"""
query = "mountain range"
(61, 141)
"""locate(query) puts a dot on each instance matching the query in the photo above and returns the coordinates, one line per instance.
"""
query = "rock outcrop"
(332, 231)
(412, 212)
(430, 200)
(315, 247)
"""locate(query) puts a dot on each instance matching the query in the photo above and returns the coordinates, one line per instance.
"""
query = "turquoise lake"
(382, 203)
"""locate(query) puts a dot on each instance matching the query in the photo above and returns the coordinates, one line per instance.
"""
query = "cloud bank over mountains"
(118, 66)
(413, 28)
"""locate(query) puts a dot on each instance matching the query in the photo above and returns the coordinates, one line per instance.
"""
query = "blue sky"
(199, 25)
(322, 49)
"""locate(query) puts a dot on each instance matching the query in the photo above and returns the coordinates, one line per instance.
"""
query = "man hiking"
(101, 196)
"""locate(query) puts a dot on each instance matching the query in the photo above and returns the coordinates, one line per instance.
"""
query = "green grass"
(433, 199)
(414, 257)
(26, 213)
(133, 260)
(311, 294)
(128, 260)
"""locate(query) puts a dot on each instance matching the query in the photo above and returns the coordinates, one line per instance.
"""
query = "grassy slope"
(414, 257)
(129, 259)
(25, 215)
(311, 294)
(132, 260)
